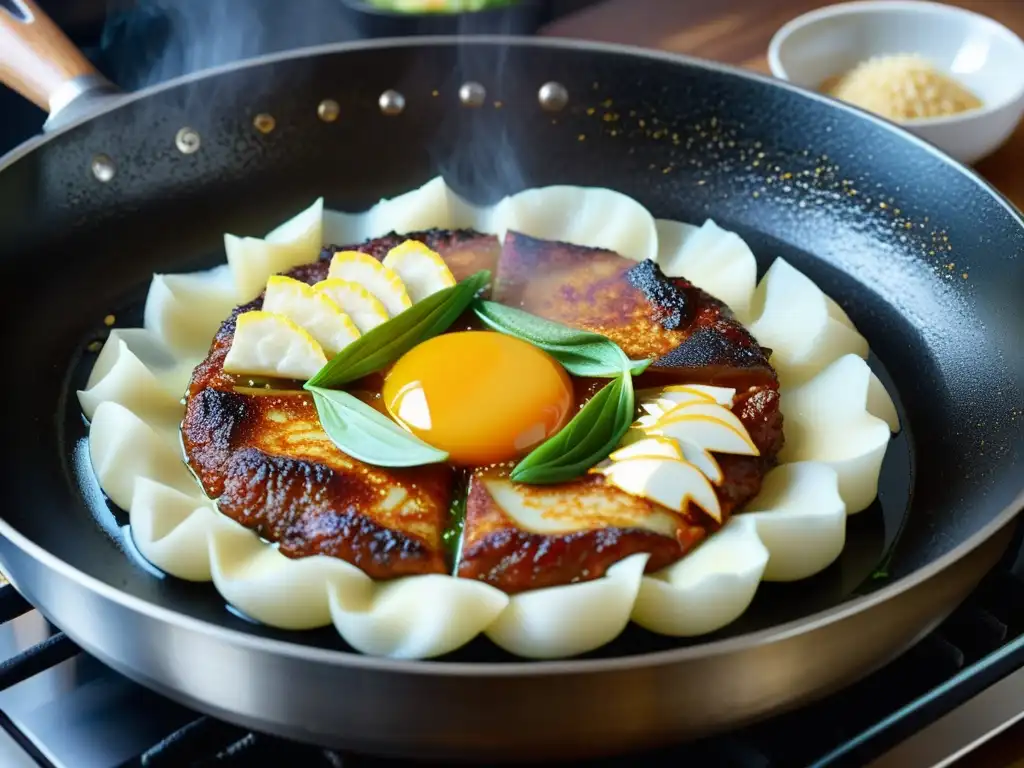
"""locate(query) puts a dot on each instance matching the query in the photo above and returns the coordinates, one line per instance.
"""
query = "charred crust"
(435, 239)
(309, 509)
(214, 424)
(672, 307)
(708, 346)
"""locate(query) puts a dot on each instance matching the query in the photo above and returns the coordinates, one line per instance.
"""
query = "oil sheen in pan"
(870, 535)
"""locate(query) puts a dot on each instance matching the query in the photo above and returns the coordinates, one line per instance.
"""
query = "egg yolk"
(482, 396)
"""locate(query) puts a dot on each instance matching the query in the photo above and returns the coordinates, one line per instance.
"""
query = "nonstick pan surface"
(924, 256)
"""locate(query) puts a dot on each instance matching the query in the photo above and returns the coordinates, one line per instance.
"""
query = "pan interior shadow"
(871, 534)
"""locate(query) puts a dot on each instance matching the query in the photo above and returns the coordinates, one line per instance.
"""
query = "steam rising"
(482, 156)
(160, 39)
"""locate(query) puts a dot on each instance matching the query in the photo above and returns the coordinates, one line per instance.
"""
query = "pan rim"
(525, 668)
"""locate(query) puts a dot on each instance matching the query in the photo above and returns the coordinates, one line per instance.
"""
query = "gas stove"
(61, 708)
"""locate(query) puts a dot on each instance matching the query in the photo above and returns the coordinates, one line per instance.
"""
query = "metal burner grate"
(974, 651)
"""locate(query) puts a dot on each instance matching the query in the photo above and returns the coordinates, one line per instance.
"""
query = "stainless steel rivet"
(328, 110)
(264, 123)
(103, 168)
(391, 103)
(553, 96)
(472, 94)
(187, 141)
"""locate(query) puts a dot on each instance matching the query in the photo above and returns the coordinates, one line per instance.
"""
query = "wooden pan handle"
(38, 60)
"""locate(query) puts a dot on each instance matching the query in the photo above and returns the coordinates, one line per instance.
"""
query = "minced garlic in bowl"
(901, 87)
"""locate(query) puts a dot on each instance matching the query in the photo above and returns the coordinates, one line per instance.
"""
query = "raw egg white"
(482, 396)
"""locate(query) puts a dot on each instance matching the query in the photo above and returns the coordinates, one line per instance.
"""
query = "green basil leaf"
(581, 353)
(389, 341)
(579, 363)
(588, 438)
(585, 445)
(364, 433)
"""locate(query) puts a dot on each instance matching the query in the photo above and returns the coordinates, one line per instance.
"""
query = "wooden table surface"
(738, 32)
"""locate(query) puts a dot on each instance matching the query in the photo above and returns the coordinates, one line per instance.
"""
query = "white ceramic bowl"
(980, 53)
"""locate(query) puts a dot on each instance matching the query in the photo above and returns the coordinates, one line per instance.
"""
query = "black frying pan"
(77, 243)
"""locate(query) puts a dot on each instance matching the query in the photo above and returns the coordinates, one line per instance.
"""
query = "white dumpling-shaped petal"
(429, 206)
(252, 260)
(800, 518)
(416, 617)
(465, 215)
(714, 259)
(422, 208)
(297, 228)
(284, 592)
(123, 448)
(341, 229)
(172, 369)
(170, 529)
(672, 236)
(827, 421)
(587, 216)
(120, 377)
(880, 404)
(838, 313)
(184, 311)
(144, 345)
(798, 323)
(709, 588)
(563, 621)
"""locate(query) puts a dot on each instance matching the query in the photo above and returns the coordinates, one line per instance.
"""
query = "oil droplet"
(264, 123)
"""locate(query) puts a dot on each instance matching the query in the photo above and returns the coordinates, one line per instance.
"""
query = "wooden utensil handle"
(36, 58)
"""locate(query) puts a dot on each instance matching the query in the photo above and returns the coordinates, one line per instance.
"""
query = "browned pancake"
(694, 339)
(270, 466)
(692, 336)
(263, 455)
(602, 525)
